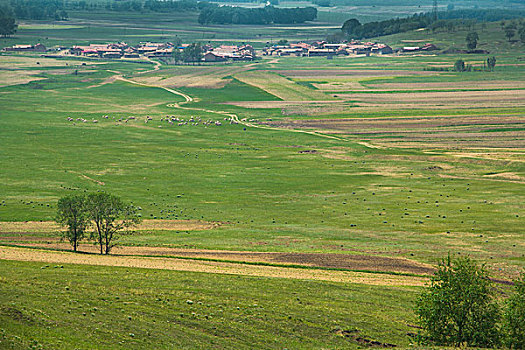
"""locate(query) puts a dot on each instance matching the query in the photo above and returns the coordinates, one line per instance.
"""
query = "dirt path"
(54, 257)
(234, 117)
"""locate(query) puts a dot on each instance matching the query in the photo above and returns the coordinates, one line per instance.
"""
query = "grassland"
(318, 206)
(59, 306)
(381, 196)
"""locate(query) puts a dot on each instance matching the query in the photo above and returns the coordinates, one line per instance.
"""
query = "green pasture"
(269, 193)
(44, 306)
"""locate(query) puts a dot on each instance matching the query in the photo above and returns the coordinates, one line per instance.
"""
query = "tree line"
(104, 215)
(215, 14)
(8, 24)
(448, 20)
(57, 9)
(38, 9)
(460, 307)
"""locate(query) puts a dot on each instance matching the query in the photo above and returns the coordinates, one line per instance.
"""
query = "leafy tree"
(71, 213)
(282, 42)
(521, 33)
(472, 40)
(111, 217)
(491, 63)
(510, 31)
(7, 22)
(351, 26)
(459, 66)
(514, 317)
(457, 308)
(176, 55)
(192, 53)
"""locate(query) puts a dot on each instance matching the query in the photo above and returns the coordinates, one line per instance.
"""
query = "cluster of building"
(426, 47)
(147, 49)
(322, 48)
(26, 48)
(226, 52)
(123, 50)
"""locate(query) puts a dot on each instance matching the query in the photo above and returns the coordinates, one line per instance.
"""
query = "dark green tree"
(514, 317)
(472, 40)
(72, 214)
(8, 24)
(351, 26)
(176, 55)
(521, 33)
(491, 63)
(510, 31)
(111, 217)
(458, 307)
(459, 66)
(192, 53)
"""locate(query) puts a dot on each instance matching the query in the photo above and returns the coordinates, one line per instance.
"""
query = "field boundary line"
(189, 265)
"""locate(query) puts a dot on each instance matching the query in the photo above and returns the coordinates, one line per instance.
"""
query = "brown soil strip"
(349, 72)
(28, 227)
(330, 260)
(497, 84)
(53, 257)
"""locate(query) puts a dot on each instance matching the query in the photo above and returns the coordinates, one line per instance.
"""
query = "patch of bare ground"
(339, 86)
(16, 77)
(29, 227)
(317, 73)
(280, 104)
(506, 175)
(104, 82)
(445, 132)
(309, 108)
(355, 337)
(26, 254)
(381, 125)
(480, 85)
(450, 99)
(210, 77)
(331, 260)
(20, 61)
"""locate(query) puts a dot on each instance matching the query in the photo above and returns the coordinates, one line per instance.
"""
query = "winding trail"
(232, 116)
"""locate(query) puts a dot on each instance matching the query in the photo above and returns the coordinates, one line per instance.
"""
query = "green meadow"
(269, 193)
(90, 307)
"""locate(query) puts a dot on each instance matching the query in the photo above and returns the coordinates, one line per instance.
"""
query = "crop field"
(288, 202)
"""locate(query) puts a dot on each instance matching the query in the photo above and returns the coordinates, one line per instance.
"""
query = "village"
(222, 53)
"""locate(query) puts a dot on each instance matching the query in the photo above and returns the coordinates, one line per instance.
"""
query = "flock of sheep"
(171, 120)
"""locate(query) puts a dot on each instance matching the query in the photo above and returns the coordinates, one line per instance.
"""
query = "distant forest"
(216, 14)
(57, 9)
(209, 13)
(354, 29)
(240, 15)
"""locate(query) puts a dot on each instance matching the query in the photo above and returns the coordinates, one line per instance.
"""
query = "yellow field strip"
(55, 257)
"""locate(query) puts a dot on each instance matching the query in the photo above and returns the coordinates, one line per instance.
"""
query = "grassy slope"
(80, 306)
